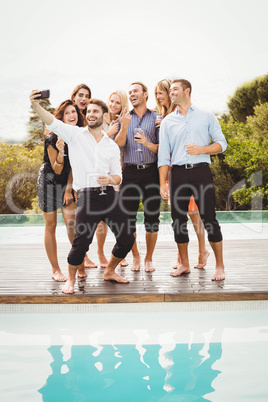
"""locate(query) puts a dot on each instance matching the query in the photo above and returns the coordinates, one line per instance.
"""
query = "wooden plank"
(25, 276)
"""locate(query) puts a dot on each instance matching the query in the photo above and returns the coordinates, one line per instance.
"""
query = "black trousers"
(91, 209)
(141, 183)
(197, 182)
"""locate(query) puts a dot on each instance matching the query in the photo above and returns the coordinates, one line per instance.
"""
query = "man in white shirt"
(95, 161)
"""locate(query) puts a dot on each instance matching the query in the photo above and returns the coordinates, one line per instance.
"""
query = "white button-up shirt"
(89, 158)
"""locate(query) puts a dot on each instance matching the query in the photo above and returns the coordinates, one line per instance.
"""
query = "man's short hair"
(100, 103)
(144, 87)
(184, 83)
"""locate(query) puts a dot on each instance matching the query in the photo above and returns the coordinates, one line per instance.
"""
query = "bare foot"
(81, 273)
(68, 287)
(178, 263)
(219, 275)
(110, 275)
(202, 259)
(88, 263)
(180, 270)
(123, 263)
(103, 260)
(136, 266)
(148, 266)
(58, 276)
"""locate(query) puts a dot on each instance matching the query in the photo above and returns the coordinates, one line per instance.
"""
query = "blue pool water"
(166, 352)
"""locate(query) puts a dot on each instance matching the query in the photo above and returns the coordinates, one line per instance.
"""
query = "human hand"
(60, 144)
(113, 128)
(125, 119)
(141, 139)
(164, 191)
(193, 149)
(158, 120)
(104, 180)
(67, 198)
(33, 94)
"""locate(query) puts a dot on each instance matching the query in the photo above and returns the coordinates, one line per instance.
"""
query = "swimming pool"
(210, 351)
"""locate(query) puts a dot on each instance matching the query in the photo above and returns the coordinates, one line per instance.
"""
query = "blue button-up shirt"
(198, 127)
(147, 124)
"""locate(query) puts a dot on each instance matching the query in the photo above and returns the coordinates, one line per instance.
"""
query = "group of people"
(105, 158)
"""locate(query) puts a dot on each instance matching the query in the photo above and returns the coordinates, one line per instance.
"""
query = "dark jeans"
(91, 209)
(141, 183)
(197, 182)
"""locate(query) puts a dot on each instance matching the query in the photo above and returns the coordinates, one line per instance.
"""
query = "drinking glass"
(137, 135)
(103, 188)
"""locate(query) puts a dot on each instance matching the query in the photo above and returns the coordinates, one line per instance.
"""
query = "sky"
(56, 44)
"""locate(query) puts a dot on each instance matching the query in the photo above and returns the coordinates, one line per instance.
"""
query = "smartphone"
(43, 94)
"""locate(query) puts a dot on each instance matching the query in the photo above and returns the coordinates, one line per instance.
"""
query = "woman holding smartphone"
(165, 106)
(54, 185)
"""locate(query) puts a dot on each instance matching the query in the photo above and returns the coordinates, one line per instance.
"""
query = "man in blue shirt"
(188, 137)
(140, 174)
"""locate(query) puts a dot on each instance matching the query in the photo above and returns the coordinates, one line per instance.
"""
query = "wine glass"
(63, 153)
(158, 117)
(103, 188)
(137, 135)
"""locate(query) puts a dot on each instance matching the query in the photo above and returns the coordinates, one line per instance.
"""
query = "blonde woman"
(165, 106)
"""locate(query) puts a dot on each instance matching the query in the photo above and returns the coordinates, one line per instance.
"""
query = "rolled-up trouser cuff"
(121, 250)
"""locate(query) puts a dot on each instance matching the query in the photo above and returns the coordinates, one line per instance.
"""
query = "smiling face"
(177, 94)
(70, 115)
(81, 99)
(94, 116)
(136, 95)
(115, 104)
(162, 97)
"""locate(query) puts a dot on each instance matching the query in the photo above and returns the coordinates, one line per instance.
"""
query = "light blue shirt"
(198, 127)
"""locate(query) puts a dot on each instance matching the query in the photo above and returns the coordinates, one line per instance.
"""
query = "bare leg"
(101, 234)
(69, 285)
(88, 263)
(219, 274)
(81, 273)
(151, 239)
(51, 245)
(184, 267)
(136, 266)
(178, 262)
(200, 233)
(68, 214)
(110, 274)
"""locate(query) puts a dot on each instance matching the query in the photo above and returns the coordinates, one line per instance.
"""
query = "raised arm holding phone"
(95, 161)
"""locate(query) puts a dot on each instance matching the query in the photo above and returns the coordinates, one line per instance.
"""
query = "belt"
(193, 165)
(142, 166)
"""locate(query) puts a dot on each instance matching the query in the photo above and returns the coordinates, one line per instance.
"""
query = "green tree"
(259, 124)
(246, 97)
(19, 170)
(247, 160)
(36, 128)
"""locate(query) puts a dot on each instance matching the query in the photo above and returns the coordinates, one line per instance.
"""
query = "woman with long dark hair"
(54, 187)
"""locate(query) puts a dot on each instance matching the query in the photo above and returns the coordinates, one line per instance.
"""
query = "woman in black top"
(54, 185)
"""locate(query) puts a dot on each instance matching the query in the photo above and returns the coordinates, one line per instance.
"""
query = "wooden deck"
(25, 276)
